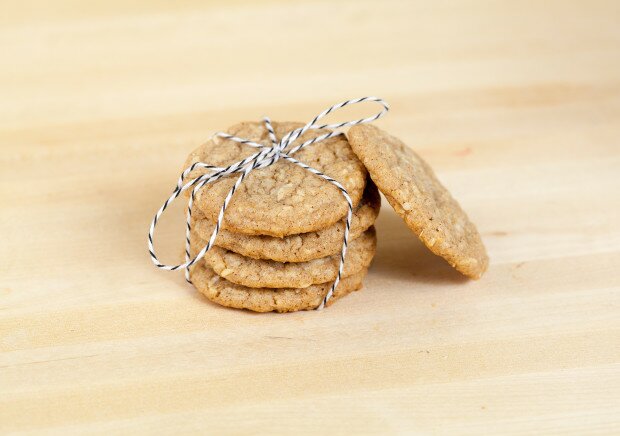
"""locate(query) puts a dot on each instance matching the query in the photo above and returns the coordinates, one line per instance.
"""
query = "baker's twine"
(268, 155)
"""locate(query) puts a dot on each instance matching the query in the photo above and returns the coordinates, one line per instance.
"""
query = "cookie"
(271, 274)
(412, 189)
(295, 248)
(282, 199)
(228, 294)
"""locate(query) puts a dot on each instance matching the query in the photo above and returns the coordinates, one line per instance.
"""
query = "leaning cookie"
(271, 274)
(228, 294)
(411, 187)
(295, 248)
(284, 198)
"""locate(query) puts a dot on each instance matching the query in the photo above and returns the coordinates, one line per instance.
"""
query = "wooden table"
(516, 105)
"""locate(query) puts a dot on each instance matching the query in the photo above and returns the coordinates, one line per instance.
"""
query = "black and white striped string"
(266, 156)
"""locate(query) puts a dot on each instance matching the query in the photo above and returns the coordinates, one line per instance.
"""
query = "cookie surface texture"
(281, 199)
(271, 274)
(295, 248)
(415, 193)
(229, 294)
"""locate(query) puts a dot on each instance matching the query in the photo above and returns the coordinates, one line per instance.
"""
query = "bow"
(266, 156)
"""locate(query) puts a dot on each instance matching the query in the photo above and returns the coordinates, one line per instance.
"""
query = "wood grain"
(516, 105)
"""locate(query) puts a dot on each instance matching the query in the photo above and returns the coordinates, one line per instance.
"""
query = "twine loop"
(265, 157)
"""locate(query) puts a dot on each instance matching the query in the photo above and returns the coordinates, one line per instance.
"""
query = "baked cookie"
(411, 187)
(257, 273)
(282, 199)
(228, 294)
(295, 248)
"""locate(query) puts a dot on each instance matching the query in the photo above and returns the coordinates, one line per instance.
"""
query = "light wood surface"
(517, 106)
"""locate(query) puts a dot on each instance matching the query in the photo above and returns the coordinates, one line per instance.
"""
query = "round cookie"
(282, 199)
(229, 294)
(295, 248)
(411, 187)
(271, 274)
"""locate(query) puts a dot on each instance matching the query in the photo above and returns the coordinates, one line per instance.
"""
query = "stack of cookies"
(281, 237)
(279, 245)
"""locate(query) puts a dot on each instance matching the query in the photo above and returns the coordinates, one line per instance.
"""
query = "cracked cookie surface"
(295, 248)
(271, 274)
(228, 294)
(282, 199)
(412, 189)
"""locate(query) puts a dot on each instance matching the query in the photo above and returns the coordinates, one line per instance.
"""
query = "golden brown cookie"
(228, 294)
(295, 248)
(282, 199)
(411, 187)
(257, 273)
